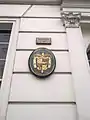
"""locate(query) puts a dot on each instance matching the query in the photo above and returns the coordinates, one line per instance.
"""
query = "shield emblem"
(42, 62)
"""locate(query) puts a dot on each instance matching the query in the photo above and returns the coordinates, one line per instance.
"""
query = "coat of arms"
(42, 62)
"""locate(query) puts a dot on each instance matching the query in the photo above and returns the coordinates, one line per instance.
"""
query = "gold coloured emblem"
(42, 62)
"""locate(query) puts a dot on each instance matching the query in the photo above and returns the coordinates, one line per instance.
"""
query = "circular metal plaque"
(42, 62)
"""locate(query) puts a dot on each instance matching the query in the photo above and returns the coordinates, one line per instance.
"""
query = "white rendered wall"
(52, 98)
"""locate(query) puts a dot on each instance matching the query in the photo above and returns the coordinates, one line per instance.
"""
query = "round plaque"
(42, 62)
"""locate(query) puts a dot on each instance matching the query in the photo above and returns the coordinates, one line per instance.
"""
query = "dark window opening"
(5, 32)
(88, 54)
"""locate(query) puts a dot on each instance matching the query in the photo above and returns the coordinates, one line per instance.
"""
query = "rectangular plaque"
(43, 41)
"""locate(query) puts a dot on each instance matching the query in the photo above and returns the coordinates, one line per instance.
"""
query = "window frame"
(85, 49)
(9, 64)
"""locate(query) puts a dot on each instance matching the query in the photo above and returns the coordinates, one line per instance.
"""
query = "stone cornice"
(42, 2)
(76, 3)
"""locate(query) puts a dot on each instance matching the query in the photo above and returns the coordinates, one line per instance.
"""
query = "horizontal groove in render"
(10, 17)
(61, 50)
(18, 72)
(41, 17)
(40, 102)
(41, 32)
(30, 17)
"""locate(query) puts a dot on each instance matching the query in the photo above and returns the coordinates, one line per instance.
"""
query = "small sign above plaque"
(43, 41)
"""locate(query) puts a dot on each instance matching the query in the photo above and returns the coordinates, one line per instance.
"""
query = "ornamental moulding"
(71, 19)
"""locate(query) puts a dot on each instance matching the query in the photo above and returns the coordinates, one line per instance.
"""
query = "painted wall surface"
(30, 97)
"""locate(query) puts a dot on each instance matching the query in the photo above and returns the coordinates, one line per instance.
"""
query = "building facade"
(64, 95)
